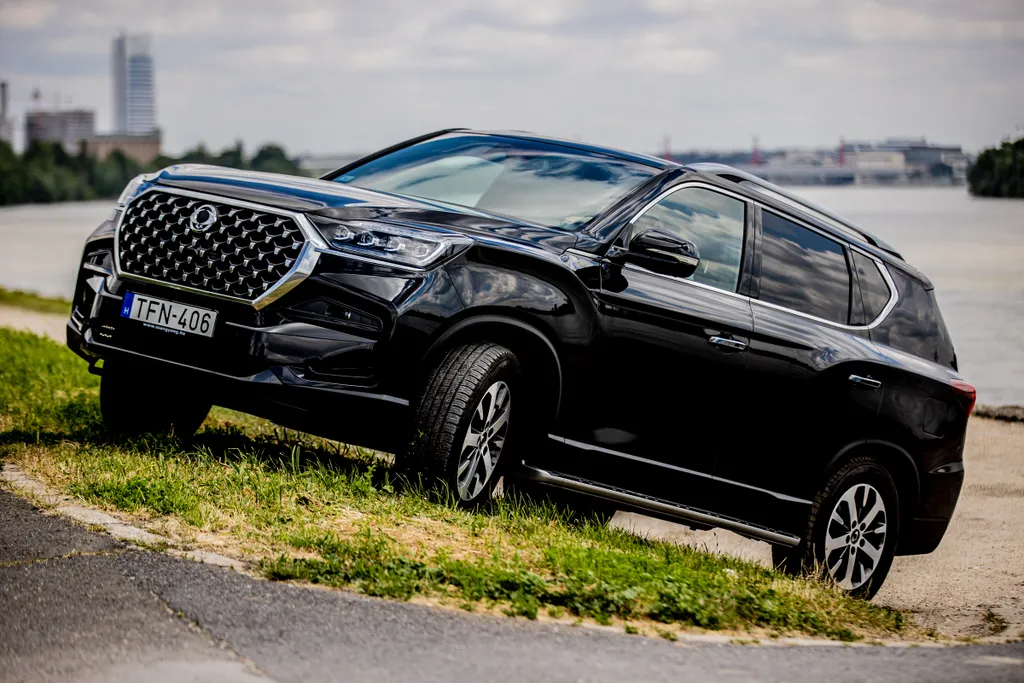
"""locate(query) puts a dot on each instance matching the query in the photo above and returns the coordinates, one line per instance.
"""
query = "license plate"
(168, 315)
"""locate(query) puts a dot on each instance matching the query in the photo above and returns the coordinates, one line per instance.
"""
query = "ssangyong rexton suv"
(684, 341)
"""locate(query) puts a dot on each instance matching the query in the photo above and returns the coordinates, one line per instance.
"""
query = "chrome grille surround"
(251, 254)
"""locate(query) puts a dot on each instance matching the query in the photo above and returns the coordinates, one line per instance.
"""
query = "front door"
(672, 355)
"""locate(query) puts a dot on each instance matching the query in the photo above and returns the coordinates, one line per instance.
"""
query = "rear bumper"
(940, 491)
(921, 536)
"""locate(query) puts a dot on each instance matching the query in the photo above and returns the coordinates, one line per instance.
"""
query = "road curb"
(62, 505)
(18, 479)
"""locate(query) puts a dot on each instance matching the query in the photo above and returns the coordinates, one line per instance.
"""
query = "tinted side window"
(803, 270)
(873, 289)
(916, 325)
(713, 222)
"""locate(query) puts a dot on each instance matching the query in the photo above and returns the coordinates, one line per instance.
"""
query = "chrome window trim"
(701, 285)
(300, 270)
(700, 186)
(689, 184)
(894, 295)
(893, 292)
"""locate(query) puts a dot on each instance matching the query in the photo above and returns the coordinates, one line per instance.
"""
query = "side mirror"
(664, 253)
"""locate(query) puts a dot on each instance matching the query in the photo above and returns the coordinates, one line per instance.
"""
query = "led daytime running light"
(401, 244)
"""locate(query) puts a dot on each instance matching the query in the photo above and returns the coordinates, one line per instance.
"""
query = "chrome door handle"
(865, 382)
(726, 343)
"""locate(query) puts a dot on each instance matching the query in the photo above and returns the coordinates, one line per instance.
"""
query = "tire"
(135, 401)
(468, 399)
(857, 559)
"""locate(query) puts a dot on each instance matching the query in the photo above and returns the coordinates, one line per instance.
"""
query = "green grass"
(34, 302)
(304, 509)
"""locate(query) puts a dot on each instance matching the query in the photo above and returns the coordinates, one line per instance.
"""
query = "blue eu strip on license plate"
(126, 308)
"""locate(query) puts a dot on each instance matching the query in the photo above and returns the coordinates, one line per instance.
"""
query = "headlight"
(387, 242)
(132, 188)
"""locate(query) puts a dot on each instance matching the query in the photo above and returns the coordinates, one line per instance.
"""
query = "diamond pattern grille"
(243, 253)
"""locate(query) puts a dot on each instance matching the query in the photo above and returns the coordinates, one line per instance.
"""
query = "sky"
(353, 76)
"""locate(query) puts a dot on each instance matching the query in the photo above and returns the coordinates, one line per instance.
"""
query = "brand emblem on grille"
(203, 217)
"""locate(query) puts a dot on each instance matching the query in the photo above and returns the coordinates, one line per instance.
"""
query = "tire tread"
(447, 395)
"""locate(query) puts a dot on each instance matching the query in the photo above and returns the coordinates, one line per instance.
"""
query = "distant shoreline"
(816, 187)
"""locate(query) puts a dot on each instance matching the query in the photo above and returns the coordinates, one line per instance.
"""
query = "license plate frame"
(169, 316)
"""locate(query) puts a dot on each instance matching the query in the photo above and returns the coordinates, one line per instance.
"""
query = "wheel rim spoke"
(472, 439)
(870, 516)
(834, 542)
(464, 465)
(501, 420)
(491, 397)
(872, 552)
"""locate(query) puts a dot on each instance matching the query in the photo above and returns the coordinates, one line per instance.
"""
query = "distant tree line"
(45, 172)
(999, 171)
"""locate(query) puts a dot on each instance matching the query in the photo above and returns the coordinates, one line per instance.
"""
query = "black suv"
(685, 341)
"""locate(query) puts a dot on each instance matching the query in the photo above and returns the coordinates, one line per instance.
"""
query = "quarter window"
(873, 289)
(803, 270)
(713, 222)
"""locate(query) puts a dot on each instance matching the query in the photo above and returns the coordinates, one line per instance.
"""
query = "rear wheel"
(136, 401)
(852, 529)
(463, 420)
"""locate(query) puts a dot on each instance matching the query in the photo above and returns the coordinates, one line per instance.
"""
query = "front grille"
(242, 253)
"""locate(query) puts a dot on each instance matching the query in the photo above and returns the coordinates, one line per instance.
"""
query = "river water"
(972, 249)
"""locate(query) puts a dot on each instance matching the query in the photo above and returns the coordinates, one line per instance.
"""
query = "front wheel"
(134, 401)
(852, 530)
(463, 420)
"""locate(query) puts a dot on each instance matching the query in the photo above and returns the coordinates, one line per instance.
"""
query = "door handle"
(866, 382)
(725, 343)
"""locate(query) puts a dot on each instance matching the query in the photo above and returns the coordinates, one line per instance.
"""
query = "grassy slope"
(34, 302)
(307, 509)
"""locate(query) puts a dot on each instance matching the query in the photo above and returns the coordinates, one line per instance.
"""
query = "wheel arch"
(900, 464)
(533, 348)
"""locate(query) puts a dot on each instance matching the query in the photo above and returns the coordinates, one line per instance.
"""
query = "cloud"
(27, 14)
(327, 76)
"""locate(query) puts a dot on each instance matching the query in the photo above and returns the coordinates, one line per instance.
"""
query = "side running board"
(657, 505)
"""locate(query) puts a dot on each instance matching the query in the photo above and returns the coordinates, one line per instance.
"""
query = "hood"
(336, 200)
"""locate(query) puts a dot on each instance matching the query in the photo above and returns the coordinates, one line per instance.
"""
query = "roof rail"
(761, 185)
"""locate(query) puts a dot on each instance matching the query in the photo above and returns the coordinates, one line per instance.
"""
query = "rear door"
(672, 357)
(811, 390)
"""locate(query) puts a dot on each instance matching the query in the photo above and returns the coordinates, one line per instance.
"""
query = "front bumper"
(310, 365)
(279, 392)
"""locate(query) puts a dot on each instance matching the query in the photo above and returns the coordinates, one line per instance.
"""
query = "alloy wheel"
(855, 537)
(484, 440)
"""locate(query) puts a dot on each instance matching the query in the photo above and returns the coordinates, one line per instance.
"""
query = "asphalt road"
(76, 605)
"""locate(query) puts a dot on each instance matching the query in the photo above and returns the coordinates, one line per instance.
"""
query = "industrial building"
(69, 127)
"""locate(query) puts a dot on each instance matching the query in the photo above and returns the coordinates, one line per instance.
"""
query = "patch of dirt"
(46, 324)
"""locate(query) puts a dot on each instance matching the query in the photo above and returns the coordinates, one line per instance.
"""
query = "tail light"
(966, 392)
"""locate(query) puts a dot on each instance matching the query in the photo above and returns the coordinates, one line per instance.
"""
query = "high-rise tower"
(134, 92)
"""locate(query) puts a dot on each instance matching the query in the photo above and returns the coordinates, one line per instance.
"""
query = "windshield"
(538, 182)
